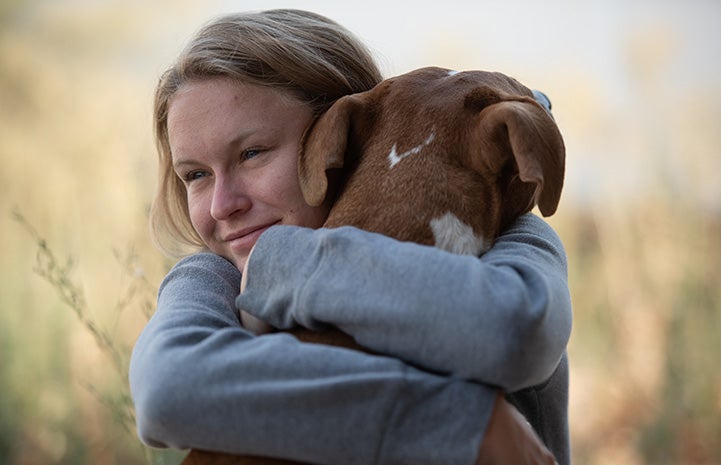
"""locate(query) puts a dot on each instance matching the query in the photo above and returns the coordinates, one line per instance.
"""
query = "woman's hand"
(509, 438)
(250, 322)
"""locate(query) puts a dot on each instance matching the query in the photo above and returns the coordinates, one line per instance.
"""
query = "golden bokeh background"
(636, 89)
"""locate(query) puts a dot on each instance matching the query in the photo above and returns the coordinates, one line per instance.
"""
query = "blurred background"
(636, 91)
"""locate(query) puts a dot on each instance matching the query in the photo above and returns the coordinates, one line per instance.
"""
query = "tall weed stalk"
(137, 292)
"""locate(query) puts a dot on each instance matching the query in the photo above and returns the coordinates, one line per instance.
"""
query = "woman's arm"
(199, 380)
(503, 320)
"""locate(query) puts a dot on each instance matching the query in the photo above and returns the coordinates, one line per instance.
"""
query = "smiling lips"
(246, 238)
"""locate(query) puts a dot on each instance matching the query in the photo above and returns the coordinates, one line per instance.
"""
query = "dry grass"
(645, 388)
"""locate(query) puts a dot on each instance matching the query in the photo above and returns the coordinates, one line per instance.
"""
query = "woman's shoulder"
(530, 226)
(202, 267)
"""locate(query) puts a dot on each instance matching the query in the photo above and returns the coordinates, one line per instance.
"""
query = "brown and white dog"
(433, 156)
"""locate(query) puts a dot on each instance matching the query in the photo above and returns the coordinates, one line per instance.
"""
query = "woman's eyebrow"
(182, 162)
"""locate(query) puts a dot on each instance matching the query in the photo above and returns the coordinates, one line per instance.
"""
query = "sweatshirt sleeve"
(199, 380)
(503, 319)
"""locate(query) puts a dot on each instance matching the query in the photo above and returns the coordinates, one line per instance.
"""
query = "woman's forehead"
(205, 113)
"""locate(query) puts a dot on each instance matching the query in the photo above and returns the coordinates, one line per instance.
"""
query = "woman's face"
(235, 146)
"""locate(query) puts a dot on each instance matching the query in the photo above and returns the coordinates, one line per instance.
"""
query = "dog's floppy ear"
(324, 147)
(526, 130)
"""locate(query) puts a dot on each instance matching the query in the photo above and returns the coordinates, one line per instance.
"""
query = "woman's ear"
(523, 131)
(324, 147)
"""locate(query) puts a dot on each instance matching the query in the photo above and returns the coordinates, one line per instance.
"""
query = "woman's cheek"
(199, 217)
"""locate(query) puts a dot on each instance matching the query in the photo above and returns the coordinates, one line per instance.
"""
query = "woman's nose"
(228, 199)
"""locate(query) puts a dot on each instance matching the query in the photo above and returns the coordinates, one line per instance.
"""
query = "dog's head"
(484, 129)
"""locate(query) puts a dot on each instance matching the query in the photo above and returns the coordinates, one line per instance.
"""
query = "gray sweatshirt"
(453, 330)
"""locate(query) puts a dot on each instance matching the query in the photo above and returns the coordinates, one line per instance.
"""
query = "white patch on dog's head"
(394, 157)
(452, 72)
(453, 235)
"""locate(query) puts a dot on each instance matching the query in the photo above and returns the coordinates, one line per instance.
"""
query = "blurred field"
(641, 220)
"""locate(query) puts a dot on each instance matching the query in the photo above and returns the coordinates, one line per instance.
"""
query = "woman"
(229, 116)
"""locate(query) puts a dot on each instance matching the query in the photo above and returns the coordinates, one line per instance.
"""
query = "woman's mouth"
(242, 241)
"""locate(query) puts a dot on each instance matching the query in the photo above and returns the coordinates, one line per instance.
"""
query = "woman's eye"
(250, 153)
(193, 175)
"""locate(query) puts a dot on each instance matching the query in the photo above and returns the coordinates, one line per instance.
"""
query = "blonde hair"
(306, 55)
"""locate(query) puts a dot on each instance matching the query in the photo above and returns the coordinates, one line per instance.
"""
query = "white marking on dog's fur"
(453, 235)
(452, 72)
(394, 158)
